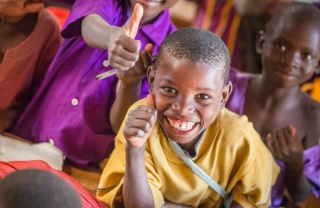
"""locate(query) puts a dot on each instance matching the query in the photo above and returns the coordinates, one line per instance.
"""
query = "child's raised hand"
(18, 8)
(285, 146)
(140, 123)
(123, 49)
(140, 68)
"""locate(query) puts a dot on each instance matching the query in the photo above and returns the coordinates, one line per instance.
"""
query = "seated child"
(29, 39)
(33, 184)
(273, 101)
(36, 188)
(183, 129)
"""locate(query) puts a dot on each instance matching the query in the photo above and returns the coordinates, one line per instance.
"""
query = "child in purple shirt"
(72, 108)
(273, 101)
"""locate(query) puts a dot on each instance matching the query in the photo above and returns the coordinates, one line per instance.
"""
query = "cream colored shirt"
(230, 151)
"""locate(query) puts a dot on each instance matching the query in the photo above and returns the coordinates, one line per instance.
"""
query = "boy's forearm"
(136, 190)
(126, 96)
(297, 184)
(92, 27)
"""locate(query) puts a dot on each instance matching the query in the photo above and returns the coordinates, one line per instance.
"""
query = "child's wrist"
(128, 86)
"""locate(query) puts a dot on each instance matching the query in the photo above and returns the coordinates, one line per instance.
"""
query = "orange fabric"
(224, 18)
(313, 88)
(208, 14)
(231, 43)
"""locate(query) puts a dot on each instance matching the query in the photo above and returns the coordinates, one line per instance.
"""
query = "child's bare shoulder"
(311, 107)
(311, 110)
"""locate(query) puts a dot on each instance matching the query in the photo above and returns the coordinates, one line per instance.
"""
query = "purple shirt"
(72, 107)
(311, 156)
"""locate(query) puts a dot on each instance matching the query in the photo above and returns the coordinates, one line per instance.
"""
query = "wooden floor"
(88, 178)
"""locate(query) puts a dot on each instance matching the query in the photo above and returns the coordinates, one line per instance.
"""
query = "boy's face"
(188, 97)
(152, 8)
(291, 52)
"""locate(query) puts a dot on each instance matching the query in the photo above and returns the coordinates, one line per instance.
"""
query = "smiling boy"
(274, 102)
(185, 119)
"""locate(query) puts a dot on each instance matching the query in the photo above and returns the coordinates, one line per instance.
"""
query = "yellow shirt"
(230, 151)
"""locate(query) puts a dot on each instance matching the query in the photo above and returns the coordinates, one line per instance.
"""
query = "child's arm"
(139, 124)
(123, 50)
(285, 146)
(128, 89)
(129, 84)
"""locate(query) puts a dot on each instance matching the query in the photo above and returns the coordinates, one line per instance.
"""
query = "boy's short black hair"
(294, 11)
(197, 45)
(35, 188)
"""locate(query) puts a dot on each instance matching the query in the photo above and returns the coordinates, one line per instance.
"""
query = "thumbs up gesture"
(123, 49)
(140, 123)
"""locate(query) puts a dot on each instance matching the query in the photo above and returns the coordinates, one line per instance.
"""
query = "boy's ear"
(227, 90)
(260, 41)
(150, 75)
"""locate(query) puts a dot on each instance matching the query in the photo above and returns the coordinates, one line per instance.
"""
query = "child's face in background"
(152, 8)
(188, 97)
(290, 52)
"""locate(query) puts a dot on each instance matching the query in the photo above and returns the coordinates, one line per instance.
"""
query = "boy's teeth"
(181, 125)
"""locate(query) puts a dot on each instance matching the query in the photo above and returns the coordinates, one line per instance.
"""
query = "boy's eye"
(281, 47)
(306, 56)
(203, 96)
(170, 90)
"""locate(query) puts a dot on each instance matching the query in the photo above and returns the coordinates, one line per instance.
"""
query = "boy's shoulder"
(311, 114)
(236, 133)
(310, 107)
(236, 128)
(228, 118)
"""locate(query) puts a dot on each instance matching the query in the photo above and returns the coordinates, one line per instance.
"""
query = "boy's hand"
(18, 8)
(123, 49)
(285, 146)
(140, 123)
(134, 74)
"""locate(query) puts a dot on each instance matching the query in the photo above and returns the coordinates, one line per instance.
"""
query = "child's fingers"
(32, 8)
(269, 141)
(149, 48)
(132, 25)
(293, 131)
(146, 56)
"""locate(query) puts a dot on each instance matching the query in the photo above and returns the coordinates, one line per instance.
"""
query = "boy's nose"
(292, 59)
(184, 107)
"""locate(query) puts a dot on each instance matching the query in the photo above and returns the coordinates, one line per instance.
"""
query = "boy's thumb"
(132, 25)
(150, 100)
